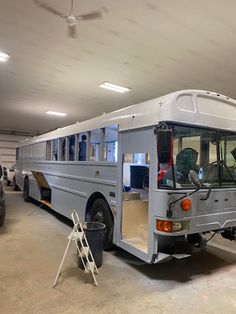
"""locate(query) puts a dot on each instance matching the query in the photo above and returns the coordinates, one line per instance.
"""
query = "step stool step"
(84, 251)
(76, 235)
(90, 266)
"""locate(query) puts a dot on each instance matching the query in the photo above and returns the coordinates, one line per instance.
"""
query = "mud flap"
(162, 257)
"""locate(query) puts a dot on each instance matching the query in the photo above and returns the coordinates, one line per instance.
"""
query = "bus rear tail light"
(186, 204)
(168, 226)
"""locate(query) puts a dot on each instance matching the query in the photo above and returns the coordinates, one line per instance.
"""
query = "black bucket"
(94, 232)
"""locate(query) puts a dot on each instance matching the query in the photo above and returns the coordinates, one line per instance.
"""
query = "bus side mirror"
(193, 177)
(164, 138)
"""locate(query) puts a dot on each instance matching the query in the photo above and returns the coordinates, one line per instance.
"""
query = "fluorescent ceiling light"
(4, 57)
(114, 88)
(55, 113)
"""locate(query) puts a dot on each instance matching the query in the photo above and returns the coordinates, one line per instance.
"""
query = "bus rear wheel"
(100, 212)
(26, 196)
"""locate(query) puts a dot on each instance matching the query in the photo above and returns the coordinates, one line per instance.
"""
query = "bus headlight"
(177, 225)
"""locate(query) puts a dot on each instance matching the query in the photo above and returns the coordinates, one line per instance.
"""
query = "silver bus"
(159, 174)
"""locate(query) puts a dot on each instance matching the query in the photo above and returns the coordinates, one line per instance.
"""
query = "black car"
(2, 199)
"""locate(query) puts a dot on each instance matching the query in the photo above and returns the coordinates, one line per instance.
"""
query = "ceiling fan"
(71, 19)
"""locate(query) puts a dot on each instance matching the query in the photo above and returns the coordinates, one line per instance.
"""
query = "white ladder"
(85, 254)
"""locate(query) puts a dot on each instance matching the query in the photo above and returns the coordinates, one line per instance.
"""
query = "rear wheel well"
(92, 199)
(98, 210)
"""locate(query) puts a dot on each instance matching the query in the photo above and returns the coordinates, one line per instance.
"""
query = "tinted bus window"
(111, 144)
(63, 149)
(82, 147)
(72, 147)
(55, 149)
(48, 150)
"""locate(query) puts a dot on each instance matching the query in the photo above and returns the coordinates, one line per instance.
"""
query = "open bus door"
(134, 224)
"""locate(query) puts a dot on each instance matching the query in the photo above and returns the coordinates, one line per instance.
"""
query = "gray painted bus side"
(72, 183)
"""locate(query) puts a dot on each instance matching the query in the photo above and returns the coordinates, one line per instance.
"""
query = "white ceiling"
(153, 46)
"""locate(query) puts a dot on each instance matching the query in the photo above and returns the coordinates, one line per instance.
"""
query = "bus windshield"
(211, 153)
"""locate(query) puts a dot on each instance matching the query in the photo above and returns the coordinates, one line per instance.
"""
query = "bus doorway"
(134, 201)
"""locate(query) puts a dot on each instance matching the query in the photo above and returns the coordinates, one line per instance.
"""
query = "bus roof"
(195, 107)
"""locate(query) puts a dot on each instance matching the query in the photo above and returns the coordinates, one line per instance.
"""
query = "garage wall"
(8, 148)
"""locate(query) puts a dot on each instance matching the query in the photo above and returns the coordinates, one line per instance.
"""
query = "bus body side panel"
(34, 191)
(72, 183)
(19, 173)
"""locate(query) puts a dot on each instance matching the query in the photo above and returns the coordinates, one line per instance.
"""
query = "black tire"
(100, 212)
(3, 215)
(26, 190)
(14, 185)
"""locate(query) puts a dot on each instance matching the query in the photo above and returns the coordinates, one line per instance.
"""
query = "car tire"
(100, 212)
(14, 185)
(2, 215)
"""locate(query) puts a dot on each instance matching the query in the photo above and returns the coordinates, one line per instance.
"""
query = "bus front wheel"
(26, 190)
(100, 212)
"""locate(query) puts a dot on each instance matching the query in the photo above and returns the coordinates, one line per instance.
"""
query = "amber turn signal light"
(186, 204)
(164, 225)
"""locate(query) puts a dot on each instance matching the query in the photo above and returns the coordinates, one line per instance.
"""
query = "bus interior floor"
(33, 240)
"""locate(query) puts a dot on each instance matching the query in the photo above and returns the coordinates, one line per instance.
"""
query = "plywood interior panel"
(39, 177)
(135, 223)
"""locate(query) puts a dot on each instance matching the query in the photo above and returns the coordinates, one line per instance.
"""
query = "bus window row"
(96, 145)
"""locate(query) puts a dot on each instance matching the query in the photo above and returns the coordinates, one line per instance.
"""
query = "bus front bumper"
(197, 224)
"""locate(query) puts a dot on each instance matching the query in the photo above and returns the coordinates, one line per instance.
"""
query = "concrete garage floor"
(32, 243)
